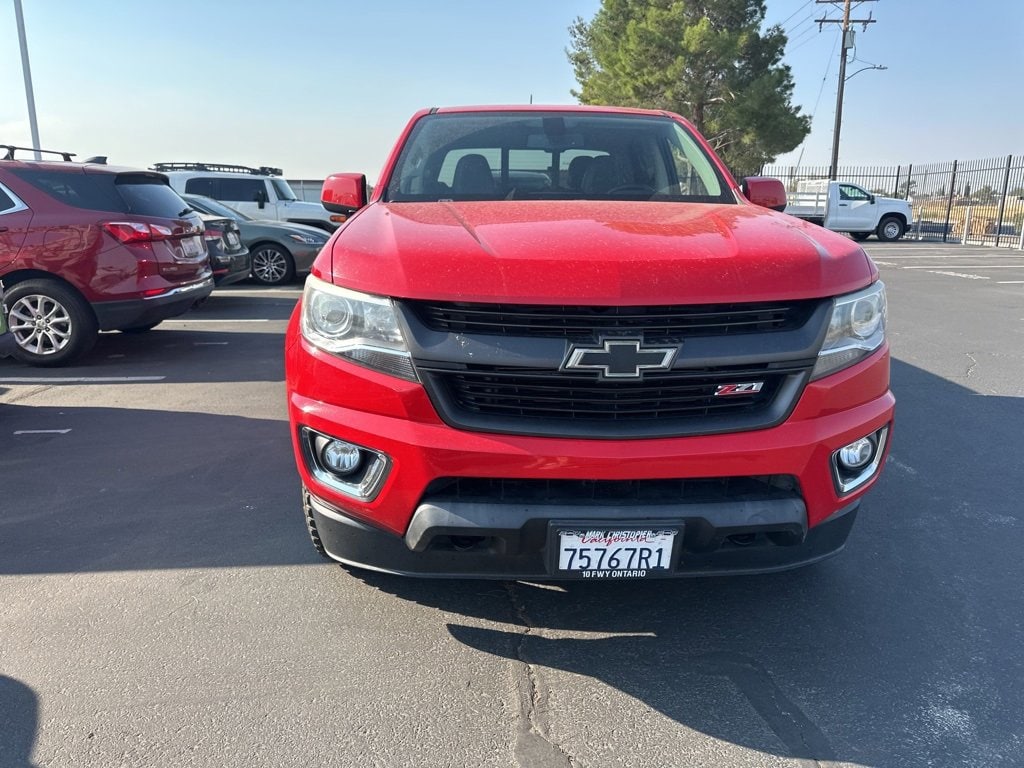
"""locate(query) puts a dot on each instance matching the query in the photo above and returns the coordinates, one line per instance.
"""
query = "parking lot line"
(967, 266)
(959, 274)
(213, 320)
(933, 255)
(42, 431)
(264, 292)
(1010, 282)
(79, 379)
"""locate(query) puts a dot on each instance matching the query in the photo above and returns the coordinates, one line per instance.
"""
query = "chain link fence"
(974, 201)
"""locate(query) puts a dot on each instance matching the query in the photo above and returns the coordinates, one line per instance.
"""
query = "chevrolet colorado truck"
(563, 343)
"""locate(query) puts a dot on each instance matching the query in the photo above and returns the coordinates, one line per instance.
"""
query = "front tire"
(272, 265)
(52, 324)
(890, 228)
(314, 534)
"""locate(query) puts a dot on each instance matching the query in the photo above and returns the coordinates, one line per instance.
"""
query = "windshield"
(283, 190)
(208, 205)
(553, 156)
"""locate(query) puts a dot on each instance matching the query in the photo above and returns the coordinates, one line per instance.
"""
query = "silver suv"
(257, 192)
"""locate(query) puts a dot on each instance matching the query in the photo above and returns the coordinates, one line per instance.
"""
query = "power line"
(817, 101)
(806, 41)
(808, 19)
(794, 13)
(803, 35)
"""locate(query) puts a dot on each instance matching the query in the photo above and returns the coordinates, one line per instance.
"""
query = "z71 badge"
(747, 388)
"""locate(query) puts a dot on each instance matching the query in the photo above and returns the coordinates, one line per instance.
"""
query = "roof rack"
(263, 170)
(11, 149)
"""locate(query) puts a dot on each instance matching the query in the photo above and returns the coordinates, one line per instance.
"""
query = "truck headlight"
(356, 326)
(856, 330)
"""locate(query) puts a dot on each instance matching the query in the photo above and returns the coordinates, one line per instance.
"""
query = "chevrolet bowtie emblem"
(620, 359)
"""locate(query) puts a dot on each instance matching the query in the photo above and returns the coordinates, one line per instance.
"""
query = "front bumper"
(304, 255)
(396, 418)
(495, 542)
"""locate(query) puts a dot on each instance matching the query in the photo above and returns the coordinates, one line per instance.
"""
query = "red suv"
(565, 343)
(87, 247)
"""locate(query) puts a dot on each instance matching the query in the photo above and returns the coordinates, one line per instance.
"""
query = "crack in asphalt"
(974, 364)
(534, 747)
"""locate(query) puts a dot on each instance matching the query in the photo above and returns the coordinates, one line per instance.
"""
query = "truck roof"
(551, 108)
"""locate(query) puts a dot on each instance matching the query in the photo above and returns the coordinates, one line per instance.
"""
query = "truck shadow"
(19, 716)
(904, 650)
(113, 489)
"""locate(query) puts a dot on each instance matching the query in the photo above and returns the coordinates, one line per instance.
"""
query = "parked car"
(87, 247)
(499, 370)
(278, 250)
(229, 258)
(257, 192)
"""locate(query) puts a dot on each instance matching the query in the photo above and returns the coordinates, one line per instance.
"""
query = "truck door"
(855, 210)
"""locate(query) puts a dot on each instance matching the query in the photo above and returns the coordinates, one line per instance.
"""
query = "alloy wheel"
(269, 265)
(40, 324)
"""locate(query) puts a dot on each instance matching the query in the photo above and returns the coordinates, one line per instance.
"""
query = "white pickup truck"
(845, 207)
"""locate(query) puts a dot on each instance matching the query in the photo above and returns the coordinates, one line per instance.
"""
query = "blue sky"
(318, 86)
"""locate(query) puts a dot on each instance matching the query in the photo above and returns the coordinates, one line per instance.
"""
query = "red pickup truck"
(563, 343)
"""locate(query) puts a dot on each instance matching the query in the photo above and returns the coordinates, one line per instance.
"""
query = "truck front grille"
(504, 368)
(574, 321)
(555, 395)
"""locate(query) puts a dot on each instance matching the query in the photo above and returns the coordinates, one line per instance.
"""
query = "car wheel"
(52, 324)
(314, 535)
(890, 228)
(140, 328)
(860, 237)
(272, 265)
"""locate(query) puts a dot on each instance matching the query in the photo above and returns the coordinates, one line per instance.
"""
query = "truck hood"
(594, 252)
(302, 208)
(893, 202)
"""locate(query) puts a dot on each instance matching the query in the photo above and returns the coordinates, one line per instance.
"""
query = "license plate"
(192, 246)
(233, 239)
(631, 553)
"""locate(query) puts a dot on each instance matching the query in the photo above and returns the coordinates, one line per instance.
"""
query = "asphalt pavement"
(160, 603)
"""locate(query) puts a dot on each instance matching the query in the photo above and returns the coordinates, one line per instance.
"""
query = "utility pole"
(847, 44)
(33, 125)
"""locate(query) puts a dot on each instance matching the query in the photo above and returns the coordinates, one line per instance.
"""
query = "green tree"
(907, 189)
(986, 195)
(708, 60)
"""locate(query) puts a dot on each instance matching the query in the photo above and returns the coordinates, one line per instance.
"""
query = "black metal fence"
(975, 201)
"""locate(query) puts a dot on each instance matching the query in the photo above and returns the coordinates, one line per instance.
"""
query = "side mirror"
(260, 196)
(766, 192)
(871, 199)
(344, 192)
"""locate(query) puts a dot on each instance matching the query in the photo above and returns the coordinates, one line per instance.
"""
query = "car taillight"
(212, 233)
(136, 231)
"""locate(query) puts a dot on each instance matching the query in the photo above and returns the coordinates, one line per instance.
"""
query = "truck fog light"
(856, 463)
(353, 470)
(856, 454)
(342, 458)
